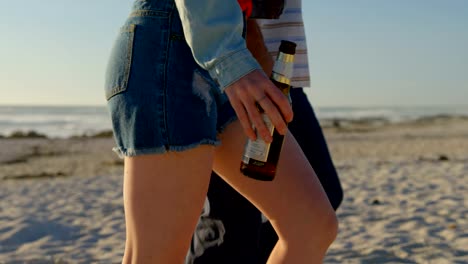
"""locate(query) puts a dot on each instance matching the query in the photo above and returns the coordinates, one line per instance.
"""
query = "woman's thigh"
(163, 197)
(294, 195)
(306, 129)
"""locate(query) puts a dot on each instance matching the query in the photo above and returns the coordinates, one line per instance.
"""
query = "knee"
(316, 236)
(323, 226)
(330, 227)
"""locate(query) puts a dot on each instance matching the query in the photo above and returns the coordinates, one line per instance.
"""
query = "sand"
(405, 185)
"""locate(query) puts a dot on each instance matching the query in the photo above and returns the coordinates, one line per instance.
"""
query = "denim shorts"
(159, 98)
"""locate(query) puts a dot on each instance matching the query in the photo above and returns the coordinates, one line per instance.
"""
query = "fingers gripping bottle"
(260, 158)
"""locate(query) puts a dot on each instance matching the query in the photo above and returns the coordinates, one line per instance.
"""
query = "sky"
(361, 52)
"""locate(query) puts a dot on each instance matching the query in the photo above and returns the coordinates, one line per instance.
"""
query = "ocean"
(54, 121)
(66, 121)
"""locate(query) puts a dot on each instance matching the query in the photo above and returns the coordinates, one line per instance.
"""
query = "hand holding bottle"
(261, 157)
(255, 88)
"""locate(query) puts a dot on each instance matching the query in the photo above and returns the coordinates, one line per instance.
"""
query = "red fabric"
(246, 6)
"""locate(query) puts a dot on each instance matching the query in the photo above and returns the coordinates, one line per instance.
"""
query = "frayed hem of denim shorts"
(227, 123)
(131, 152)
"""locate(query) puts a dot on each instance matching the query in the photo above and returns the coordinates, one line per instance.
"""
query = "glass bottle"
(260, 159)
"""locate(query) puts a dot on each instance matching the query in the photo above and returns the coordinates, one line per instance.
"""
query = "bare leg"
(163, 197)
(164, 194)
(294, 202)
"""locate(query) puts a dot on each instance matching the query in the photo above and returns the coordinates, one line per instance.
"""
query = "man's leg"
(228, 229)
(308, 133)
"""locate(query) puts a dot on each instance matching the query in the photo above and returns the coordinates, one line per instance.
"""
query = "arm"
(256, 45)
(213, 30)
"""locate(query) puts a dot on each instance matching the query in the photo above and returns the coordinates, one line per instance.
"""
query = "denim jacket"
(213, 30)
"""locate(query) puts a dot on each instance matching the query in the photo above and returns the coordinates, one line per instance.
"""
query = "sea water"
(66, 121)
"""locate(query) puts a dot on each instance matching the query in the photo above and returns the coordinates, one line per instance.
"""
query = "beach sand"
(405, 186)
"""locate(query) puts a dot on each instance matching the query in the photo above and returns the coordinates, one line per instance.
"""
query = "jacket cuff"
(233, 67)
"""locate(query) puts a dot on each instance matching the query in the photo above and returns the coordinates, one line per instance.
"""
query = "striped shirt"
(289, 26)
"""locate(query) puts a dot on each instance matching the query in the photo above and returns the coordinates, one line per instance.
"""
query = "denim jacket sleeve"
(213, 30)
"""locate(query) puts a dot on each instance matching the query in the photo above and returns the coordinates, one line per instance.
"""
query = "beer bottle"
(260, 158)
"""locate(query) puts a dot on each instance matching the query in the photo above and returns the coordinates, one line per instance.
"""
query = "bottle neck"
(283, 68)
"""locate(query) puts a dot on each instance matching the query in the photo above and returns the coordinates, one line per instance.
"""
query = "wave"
(70, 121)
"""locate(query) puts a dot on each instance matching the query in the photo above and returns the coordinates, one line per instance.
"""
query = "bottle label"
(284, 68)
(258, 149)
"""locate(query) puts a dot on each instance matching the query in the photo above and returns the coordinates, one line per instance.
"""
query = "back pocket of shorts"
(120, 62)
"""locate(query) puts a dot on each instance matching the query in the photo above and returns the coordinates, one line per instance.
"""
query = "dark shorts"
(159, 99)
